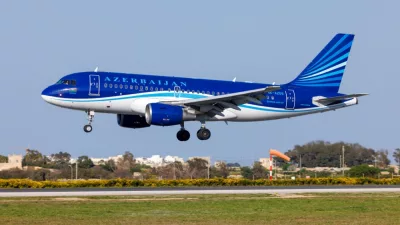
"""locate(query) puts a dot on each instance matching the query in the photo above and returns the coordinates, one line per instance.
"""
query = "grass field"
(205, 209)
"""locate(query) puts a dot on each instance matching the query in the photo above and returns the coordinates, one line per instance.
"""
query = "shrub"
(26, 183)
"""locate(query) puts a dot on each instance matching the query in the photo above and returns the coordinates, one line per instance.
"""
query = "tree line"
(326, 154)
(313, 154)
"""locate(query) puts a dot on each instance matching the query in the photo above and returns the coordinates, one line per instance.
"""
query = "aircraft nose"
(46, 94)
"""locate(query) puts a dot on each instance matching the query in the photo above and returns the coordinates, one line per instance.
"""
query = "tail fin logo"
(326, 70)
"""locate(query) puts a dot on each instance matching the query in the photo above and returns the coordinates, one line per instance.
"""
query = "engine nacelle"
(166, 115)
(131, 121)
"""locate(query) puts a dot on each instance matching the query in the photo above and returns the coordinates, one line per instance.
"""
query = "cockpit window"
(67, 82)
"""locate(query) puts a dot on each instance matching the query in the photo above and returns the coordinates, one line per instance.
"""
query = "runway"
(66, 192)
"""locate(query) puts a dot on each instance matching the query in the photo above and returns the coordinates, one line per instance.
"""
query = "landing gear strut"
(183, 134)
(203, 133)
(88, 127)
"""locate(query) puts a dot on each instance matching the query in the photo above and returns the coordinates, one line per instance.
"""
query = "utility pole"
(343, 159)
(72, 172)
(76, 165)
(208, 170)
(300, 161)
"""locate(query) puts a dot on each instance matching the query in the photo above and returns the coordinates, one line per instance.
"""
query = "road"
(65, 192)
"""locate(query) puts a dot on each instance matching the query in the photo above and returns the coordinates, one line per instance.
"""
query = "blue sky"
(261, 41)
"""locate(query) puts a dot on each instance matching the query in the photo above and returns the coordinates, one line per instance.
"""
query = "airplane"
(140, 101)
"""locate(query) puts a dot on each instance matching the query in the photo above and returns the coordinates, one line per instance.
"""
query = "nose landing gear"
(88, 127)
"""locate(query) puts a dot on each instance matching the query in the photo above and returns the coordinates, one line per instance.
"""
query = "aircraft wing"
(216, 104)
(327, 101)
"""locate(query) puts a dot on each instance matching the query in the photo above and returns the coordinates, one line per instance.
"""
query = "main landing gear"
(202, 134)
(88, 127)
(183, 134)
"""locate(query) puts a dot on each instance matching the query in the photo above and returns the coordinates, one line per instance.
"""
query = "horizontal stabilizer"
(327, 101)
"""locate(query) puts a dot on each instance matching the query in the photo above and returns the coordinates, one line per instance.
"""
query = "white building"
(157, 160)
(266, 162)
(14, 162)
(98, 161)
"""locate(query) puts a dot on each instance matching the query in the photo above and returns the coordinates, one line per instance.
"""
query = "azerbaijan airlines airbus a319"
(144, 100)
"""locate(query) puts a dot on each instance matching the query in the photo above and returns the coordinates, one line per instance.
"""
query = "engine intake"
(166, 115)
(131, 121)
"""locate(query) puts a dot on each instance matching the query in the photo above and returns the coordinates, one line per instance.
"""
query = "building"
(158, 161)
(99, 161)
(266, 162)
(14, 162)
(218, 163)
(396, 168)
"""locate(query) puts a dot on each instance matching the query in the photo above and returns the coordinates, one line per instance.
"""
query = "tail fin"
(326, 70)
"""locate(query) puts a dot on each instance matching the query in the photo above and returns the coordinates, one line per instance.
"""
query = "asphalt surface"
(194, 190)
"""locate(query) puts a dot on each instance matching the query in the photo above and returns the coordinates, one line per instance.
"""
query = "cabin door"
(94, 85)
(177, 91)
(290, 99)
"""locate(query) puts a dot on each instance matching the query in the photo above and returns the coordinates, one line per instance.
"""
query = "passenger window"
(217, 93)
(121, 86)
(203, 92)
(141, 88)
(115, 85)
(169, 89)
(136, 87)
(208, 92)
(213, 93)
(146, 88)
(105, 85)
(151, 88)
(131, 87)
(223, 93)
(156, 89)
(161, 89)
(126, 86)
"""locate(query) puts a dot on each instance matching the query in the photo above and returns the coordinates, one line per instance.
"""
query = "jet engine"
(166, 115)
(131, 121)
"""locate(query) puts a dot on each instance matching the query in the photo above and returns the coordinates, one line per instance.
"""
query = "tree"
(197, 168)
(85, 162)
(221, 171)
(246, 172)
(109, 165)
(363, 171)
(126, 162)
(259, 171)
(3, 159)
(60, 160)
(396, 156)
(33, 158)
(382, 159)
(326, 154)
